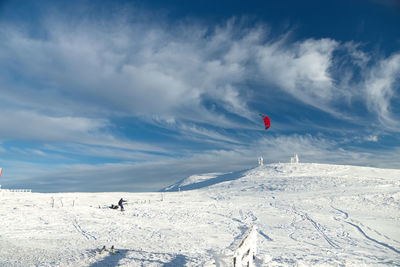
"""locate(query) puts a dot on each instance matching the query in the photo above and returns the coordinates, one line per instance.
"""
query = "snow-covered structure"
(247, 249)
(294, 159)
(260, 161)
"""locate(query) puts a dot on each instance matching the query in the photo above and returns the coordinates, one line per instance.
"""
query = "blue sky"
(135, 95)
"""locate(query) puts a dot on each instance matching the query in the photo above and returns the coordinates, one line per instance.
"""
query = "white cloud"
(381, 86)
(143, 69)
(145, 175)
(358, 57)
(32, 126)
(372, 138)
(69, 85)
(138, 66)
(302, 69)
(19, 124)
(150, 69)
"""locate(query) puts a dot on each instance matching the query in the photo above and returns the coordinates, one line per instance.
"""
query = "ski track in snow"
(357, 224)
(372, 239)
(345, 214)
(81, 231)
(317, 227)
(306, 215)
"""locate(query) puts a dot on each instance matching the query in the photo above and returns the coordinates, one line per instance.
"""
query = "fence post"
(247, 249)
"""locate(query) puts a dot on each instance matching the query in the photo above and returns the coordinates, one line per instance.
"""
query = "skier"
(120, 203)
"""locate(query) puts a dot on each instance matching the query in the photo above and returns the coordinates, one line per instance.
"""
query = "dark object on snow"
(112, 250)
(102, 250)
(114, 207)
(120, 204)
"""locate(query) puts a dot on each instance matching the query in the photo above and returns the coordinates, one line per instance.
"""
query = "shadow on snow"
(112, 260)
(179, 260)
(212, 181)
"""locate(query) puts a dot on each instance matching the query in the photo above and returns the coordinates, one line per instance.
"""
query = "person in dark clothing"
(120, 203)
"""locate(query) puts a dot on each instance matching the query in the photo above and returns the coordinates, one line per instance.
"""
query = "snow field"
(306, 215)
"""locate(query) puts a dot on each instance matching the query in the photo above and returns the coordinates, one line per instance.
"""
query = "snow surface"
(306, 215)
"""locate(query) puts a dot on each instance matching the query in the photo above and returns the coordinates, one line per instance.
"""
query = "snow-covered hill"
(204, 180)
(306, 214)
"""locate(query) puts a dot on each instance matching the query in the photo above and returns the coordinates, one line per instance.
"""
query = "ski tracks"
(360, 224)
(357, 225)
(316, 226)
(374, 240)
(345, 214)
(84, 233)
(248, 216)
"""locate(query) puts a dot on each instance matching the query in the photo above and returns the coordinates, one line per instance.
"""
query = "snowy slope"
(306, 214)
(203, 180)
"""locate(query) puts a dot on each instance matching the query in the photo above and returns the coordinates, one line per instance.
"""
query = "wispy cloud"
(22, 124)
(195, 91)
(145, 175)
(150, 69)
(302, 69)
(382, 87)
(372, 138)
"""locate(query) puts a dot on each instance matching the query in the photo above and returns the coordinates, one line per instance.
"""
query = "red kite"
(267, 122)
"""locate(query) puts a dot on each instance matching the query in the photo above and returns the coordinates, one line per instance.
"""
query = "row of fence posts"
(16, 190)
(53, 201)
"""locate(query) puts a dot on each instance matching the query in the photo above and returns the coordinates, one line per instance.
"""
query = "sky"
(100, 96)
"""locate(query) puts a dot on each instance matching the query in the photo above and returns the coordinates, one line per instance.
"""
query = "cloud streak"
(154, 70)
(129, 95)
(145, 175)
(381, 87)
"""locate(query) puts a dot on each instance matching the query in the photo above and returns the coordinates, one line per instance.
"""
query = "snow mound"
(286, 177)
